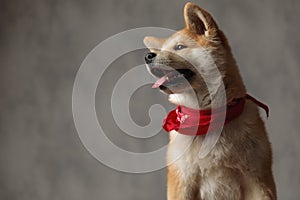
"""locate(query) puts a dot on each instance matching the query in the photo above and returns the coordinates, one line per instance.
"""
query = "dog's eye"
(179, 47)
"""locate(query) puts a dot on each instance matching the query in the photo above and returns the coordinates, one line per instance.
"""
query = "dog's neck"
(187, 99)
(202, 100)
(190, 99)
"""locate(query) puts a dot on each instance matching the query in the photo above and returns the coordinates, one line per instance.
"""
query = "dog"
(193, 66)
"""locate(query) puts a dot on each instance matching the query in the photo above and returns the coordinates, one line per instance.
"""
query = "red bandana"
(188, 121)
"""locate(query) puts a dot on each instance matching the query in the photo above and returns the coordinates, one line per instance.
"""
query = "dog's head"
(189, 58)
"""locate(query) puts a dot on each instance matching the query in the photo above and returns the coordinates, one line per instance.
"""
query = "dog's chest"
(184, 152)
(190, 167)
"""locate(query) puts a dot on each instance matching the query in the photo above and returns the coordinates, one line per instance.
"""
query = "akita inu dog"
(238, 167)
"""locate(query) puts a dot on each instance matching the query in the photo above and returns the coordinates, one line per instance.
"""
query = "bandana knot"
(180, 116)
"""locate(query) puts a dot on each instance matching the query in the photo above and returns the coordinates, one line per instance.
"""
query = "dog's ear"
(153, 43)
(199, 21)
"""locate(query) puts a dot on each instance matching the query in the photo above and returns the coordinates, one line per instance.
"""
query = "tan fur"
(239, 165)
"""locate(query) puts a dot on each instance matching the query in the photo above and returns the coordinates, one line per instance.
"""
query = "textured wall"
(42, 44)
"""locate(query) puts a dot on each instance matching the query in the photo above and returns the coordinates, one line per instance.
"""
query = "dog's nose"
(149, 57)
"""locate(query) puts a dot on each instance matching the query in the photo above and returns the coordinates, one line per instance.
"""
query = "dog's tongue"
(160, 81)
(164, 79)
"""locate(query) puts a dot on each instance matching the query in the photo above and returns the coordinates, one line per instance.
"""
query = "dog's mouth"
(169, 77)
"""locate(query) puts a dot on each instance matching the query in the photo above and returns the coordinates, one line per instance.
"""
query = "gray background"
(42, 44)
